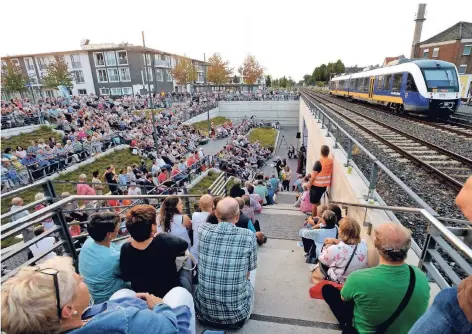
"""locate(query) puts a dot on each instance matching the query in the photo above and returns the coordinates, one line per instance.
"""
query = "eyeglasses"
(53, 272)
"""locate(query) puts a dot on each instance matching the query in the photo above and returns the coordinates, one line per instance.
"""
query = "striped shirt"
(226, 254)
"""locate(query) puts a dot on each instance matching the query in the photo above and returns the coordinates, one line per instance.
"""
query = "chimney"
(420, 18)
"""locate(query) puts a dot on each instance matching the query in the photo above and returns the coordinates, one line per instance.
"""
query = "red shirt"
(191, 160)
(175, 171)
(162, 177)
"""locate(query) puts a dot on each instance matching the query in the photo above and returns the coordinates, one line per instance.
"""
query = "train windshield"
(441, 79)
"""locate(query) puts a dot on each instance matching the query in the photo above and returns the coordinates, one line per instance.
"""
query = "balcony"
(161, 63)
(76, 64)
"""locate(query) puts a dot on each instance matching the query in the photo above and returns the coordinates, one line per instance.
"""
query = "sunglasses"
(53, 272)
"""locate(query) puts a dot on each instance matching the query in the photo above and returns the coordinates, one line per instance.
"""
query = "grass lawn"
(121, 159)
(24, 139)
(205, 183)
(265, 136)
(203, 125)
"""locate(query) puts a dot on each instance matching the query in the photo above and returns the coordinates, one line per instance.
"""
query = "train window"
(410, 84)
(387, 81)
(397, 82)
(379, 82)
(365, 86)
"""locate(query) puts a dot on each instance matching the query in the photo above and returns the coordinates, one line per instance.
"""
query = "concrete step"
(286, 197)
(283, 304)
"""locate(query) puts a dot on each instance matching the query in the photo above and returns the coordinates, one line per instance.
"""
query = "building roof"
(459, 30)
(389, 59)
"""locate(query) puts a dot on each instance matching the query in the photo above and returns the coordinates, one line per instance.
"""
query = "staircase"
(283, 304)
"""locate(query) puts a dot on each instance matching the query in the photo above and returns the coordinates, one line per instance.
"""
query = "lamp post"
(147, 76)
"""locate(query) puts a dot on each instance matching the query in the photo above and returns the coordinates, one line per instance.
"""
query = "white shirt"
(135, 191)
(41, 246)
(198, 219)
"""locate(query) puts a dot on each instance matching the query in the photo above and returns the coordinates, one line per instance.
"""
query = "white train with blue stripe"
(416, 86)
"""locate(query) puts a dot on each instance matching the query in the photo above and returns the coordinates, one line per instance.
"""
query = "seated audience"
(313, 237)
(383, 287)
(337, 211)
(222, 299)
(99, 258)
(42, 245)
(245, 222)
(261, 190)
(206, 207)
(85, 190)
(256, 200)
(305, 205)
(52, 298)
(212, 217)
(343, 255)
(147, 247)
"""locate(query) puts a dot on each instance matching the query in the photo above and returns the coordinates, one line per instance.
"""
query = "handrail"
(25, 207)
(437, 235)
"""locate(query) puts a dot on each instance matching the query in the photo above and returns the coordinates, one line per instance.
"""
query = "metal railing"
(342, 137)
(57, 212)
(441, 242)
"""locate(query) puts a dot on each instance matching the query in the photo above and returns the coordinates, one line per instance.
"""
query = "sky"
(288, 38)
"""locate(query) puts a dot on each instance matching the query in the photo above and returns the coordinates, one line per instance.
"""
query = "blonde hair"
(349, 231)
(320, 210)
(39, 196)
(29, 297)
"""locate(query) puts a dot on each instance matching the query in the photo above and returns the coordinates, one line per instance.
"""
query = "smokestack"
(420, 18)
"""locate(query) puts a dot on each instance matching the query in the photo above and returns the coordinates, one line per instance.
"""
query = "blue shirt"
(100, 267)
(131, 315)
(274, 183)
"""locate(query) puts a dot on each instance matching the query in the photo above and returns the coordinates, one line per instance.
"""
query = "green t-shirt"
(378, 291)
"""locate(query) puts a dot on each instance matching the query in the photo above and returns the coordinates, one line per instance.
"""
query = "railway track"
(450, 125)
(444, 164)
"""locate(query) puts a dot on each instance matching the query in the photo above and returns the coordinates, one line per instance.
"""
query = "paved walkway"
(283, 304)
(287, 137)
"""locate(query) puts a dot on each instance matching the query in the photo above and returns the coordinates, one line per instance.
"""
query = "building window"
(33, 79)
(467, 50)
(148, 74)
(169, 76)
(124, 74)
(29, 64)
(397, 82)
(122, 57)
(127, 90)
(99, 59)
(15, 62)
(148, 58)
(435, 52)
(116, 91)
(200, 76)
(42, 63)
(159, 74)
(82, 91)
(426, 53)
(462, 69)
(157, 57)
(75, 60)
(110, 58)
(113, 75)
(104, 91)
(79, 77)
(102, 76)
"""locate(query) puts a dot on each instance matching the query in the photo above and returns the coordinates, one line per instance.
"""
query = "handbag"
(315, 291)
(181, 260)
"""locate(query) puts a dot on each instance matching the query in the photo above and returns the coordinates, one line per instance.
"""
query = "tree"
(13, 79)
(275, 83)
(219, 70)
(339, 67)
(57, 74)
(251, 70)
(307, 79)
(184, 72)
(268, 80)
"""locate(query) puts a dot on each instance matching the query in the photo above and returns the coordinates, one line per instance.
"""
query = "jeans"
(176, 297)
(444, 316)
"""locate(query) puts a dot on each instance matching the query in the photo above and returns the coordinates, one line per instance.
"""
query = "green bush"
(265, 136)
(205, 183)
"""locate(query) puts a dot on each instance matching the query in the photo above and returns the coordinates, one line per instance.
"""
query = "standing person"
(384, 286)
(110, 178)
(98, 187)
(83, 189)
(320, 178)
(222, 299)
(48, 224)
(288, 177)
(16, 206)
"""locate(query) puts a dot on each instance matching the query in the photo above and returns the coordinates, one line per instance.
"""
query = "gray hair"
(392, 241)
(227, 210)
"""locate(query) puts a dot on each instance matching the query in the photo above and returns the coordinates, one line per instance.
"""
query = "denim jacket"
(131, 315)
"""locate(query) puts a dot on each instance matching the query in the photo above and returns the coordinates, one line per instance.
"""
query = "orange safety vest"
(323, 179)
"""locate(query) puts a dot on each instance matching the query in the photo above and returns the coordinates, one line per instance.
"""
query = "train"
(422, 86)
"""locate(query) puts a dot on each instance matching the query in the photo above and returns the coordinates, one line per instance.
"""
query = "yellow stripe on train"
(380, 98)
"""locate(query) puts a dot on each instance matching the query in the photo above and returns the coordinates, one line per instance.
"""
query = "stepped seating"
(282, 302)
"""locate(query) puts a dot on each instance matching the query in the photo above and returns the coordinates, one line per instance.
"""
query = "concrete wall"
(203, 117)
(286, 112)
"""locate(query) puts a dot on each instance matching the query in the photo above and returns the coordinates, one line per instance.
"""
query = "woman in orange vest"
(320, 178)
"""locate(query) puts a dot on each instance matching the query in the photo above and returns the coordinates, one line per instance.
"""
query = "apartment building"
(108, 69)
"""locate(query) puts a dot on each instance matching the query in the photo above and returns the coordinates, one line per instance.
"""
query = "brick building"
(453, 45)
